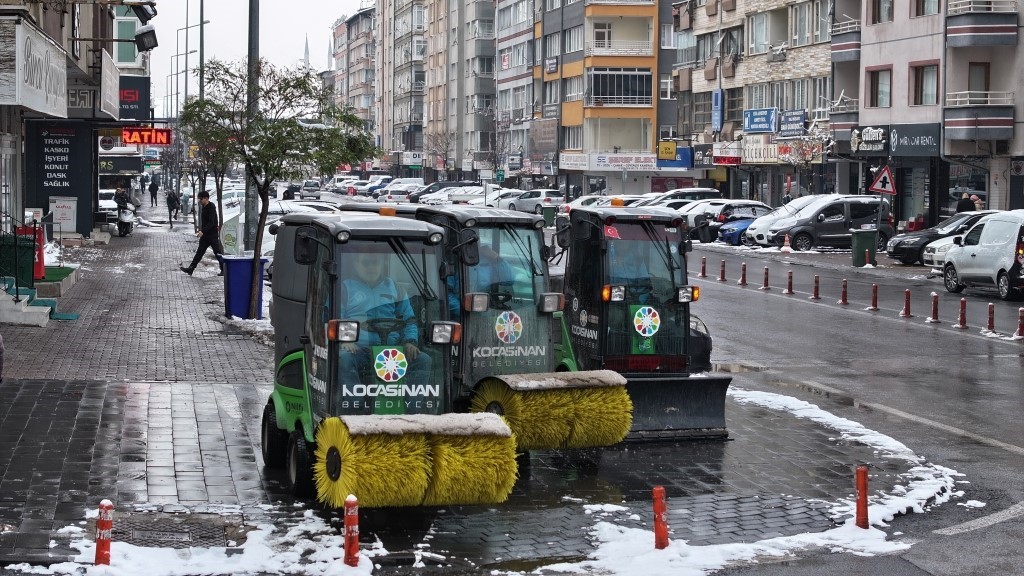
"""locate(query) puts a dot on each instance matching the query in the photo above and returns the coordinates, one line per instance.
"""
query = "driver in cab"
(386, 319)
(627, 266)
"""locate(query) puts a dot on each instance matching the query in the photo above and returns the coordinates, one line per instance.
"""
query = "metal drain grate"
(169, 533)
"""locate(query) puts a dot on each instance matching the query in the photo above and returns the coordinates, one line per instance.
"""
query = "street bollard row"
(905, 312)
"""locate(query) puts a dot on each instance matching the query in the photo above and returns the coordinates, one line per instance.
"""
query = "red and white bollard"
(815, 294)
(867, 257)
(743, 274)
(874, 298)
(862, 497)
(351, 531)
(104, 527)
(934, 318)
(842, 295)
(703, 267)
(961, 321)
(660, 518)
(789, 283)
(765, 285)
(905, 313)
(1020, 323)
(991, 317)
(721, 272)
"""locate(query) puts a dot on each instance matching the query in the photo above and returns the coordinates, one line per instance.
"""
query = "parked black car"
(908, 247)
(291, 192)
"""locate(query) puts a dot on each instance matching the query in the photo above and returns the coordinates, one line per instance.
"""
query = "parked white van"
(991, 253)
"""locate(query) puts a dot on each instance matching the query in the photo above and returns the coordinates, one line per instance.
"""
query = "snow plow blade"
(677, 407)
(414, 460)
(555, 410)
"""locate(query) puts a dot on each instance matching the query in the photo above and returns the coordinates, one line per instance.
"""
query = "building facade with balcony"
(755, 74)
(471, 53)
(355, 64)
(400, 52)
(928, 90)
(438, 138)
(515, 84)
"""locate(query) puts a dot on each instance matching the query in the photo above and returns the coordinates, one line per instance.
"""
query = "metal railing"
(591, 2)
(845, 106)
(9, 244)
(971, 6)
(845, 27)
(618, 100)
(976, 98)
(619, 48)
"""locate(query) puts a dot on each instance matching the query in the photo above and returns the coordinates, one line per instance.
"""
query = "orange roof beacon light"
(387, 211)
(617, 202)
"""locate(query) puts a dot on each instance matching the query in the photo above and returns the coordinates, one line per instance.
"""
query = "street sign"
(106, 142)
(883, 183)
(499, 176)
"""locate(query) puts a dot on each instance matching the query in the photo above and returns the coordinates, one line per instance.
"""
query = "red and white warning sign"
(883, 183)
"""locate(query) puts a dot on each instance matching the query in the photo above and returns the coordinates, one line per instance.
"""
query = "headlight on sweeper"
(688, 294)
(445, 333)
(342, 330)
(551, 302)
(475, 302)
(613, 293)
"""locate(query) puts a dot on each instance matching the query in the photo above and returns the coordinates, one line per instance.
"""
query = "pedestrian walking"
(786, 199)
(153, 189)
(965, 204)
(208, 234)
(173, 205)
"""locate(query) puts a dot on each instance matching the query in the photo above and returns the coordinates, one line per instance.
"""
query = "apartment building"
(752, 77)
(355, 63)
(927, 88)
(514, 81)
(439, 140)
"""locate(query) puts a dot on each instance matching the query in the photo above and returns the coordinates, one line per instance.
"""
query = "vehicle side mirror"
(959, 241)
(305, 245)
(821, 217)
(562, 233)
(273, 228)
(685, 246)
(469, 249)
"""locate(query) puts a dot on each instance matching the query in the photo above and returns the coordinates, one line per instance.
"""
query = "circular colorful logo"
(390, 365)
(508, 327)
(646, 321)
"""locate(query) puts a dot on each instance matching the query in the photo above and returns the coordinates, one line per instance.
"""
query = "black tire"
(880, 246)
(512, 207)
(951, 280)
(538, 210)
(1003, 286)
(920, 256)
(273, 440)
(908, 260)
(300, 465)
(802, 242)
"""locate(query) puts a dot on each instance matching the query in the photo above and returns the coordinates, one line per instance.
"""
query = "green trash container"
(17, 258)
(864, 241)
(549, 215)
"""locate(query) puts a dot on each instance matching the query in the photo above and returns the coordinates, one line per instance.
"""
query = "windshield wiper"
(525, 250)
(666, 254)
(417, 273)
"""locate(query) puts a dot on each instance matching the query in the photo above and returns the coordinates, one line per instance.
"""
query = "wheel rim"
(333, 462)
(802, 242)
(1004, 286)
(951, 278)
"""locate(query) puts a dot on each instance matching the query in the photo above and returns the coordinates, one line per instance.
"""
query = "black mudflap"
(671, 407)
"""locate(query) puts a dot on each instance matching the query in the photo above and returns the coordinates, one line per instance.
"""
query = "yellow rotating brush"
(540, 419)
(379, 468)
(477, 469)
(603, 417)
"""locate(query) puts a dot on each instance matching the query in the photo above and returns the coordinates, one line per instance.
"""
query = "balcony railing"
(971, 6)
(618, 100)
(975, 98)
(845, 106)
(619, 48)
(418, 86)
(644, 2)
(846, 27)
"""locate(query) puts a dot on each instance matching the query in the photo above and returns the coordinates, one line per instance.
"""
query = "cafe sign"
(33, 69)
(869, 140)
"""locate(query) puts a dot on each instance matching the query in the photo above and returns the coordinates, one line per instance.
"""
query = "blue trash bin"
(237, 286)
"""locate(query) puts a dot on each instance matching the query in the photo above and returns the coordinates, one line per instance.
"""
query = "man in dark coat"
(208, 234)
(153, 189)
(965, 204)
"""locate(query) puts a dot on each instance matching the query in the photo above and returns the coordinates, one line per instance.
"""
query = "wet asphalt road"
(151, 397)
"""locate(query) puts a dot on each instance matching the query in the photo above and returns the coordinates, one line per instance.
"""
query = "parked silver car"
(535, 200)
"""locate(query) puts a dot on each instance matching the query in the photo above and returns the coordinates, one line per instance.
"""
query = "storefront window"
(965, 180)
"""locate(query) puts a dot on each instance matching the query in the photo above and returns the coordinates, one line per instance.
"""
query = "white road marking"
(1010, 513)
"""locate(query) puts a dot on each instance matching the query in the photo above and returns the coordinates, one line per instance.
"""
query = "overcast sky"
(284, 25)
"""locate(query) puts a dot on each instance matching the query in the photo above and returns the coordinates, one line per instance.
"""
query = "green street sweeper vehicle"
(628, 309)
(363, 401)
(498, 290)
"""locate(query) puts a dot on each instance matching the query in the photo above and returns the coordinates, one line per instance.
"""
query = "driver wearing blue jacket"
(370, 296)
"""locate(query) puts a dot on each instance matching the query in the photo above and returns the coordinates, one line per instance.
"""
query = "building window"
(734, 104)
(665, 87)
(880, 88)
(572, 137)
(926, 85)
(668, 36)
(686, 49)
(666, 132)
(551, 92)
(572, 88)
(926, 7)
(125, 53)
(881, 11)
(822, 21)
(758, 95)
(802, 19)
(573, 39)
(551, 45)
(627, 86)
(778, 96)
(686, 125)
(758, 27)
(550, 5)
(799, 89)
(702, 110)
(821, 92)
(521, 54)
(602, 34)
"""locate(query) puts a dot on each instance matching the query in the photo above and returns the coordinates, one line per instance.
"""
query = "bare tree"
(806, 150)
(440, 145)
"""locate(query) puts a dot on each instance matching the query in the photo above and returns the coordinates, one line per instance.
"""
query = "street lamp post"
(177, 109)
(177, 46)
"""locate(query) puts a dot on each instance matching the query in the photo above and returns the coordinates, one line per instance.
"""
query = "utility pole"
(252, 106)
(202, 44)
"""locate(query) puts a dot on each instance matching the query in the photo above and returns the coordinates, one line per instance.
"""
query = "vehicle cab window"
(974, 235)
(833, 213)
